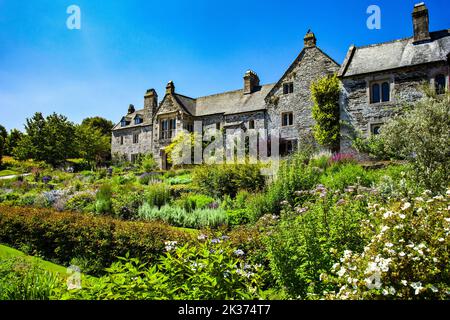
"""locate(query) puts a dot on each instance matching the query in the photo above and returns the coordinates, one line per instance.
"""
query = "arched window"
(385, 92)
(375, 93)
(439, 84)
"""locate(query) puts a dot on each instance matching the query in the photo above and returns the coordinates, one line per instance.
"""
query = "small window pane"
(291, 119)
(385, 91)
(251, 124)
(375, 93)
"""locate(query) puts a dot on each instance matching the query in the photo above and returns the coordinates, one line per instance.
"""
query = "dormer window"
(138, 120)
(288, 88)
(123, 123)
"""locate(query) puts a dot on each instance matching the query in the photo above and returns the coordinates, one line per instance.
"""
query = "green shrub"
(148, 163)
(237, 217)
(192, 201)
(199, 218)
(407, 257)
(22, 280)
(220, 180)
(103, 203)
(126, 204)
(81, 202)
(208, 271)
(61, 236)
(421, 136)
(157, 195)
(338, 177)
(294, 175)
(302, 244)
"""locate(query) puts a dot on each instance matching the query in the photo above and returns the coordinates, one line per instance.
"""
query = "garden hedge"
(62, 236)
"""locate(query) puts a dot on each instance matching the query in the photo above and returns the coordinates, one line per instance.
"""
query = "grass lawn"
(8, 253)
(4, 173)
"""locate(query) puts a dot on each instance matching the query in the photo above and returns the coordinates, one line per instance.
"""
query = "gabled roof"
(396, 54)
(230, 102)
(293, 65)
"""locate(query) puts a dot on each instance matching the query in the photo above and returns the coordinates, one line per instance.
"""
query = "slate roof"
(232, 102)
(396, 54)
(130, 117)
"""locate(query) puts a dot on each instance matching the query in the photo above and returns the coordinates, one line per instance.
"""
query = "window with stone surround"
(288, 147)
(375, 128)
(288, 88)
(439, 84)
(121, 140)
(380, 91)
(251, 124)
(168, 128)
(287, 119)
(136, 138)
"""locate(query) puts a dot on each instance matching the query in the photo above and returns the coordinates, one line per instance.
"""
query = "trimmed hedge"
(61, 236)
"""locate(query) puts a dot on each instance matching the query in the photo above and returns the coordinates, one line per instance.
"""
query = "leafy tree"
(325, 94)
(12, 141)
(92, 144)
(47, 139)
(3, 135)
(104, 125)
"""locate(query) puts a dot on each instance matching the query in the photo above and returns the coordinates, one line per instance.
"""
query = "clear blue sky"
(125, 47)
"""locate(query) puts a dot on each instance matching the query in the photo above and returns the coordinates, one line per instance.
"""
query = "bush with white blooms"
(407, 257)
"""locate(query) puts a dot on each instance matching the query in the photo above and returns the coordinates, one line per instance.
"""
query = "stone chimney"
(170, 88)
(421, 23)
(310, 39)
(150, 102)
(251, 82)
(131, 109)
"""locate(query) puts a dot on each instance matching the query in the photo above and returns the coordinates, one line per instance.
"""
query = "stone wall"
(360, 115)
(129, 148)
(311, 67)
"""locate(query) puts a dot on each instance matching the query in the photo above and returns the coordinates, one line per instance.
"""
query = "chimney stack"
(310, 39)
(251, 82)
(150, 102)
(421, 23)
(170, 88)
(131, 109)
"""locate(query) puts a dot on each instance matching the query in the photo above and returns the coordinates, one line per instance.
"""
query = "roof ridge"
(231, 91)
(396, 40)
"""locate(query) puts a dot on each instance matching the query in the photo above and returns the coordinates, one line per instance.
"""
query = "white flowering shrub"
(407, 257)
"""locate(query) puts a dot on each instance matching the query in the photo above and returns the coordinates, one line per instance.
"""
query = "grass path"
(5, 173)
(8, 253)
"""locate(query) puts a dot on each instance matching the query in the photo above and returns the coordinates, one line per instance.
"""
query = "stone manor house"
(375, 80)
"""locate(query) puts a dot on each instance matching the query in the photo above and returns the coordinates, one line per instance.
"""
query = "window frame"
(135, 138)
(251, 124)
(288, 87)
(290, 119)
(381, 86)
(167, 128)
(138, 120)
(374, 125)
